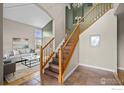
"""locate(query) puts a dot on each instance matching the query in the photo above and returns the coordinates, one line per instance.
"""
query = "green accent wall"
(74, 12)
(69, 19)
(71, 14)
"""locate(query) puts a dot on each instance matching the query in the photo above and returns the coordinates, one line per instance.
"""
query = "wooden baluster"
(109, 6)
(52, 47)
(92, 18)
(49, 50)
(95, 14)
(96, 11)
(41, 61)
(101, 9)
(60, 77)
(46, 53)
(44, 56)
(78, 31)
(89, 19)
(106, 7)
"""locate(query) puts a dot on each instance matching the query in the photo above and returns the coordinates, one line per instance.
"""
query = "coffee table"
(31, 61)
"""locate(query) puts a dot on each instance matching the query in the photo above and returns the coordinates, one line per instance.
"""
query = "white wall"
(57, 12)
(12, 29)
(104, 56)
(1, 44)
(121, 41)
(74, 61)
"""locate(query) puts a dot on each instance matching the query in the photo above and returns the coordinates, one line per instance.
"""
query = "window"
(94, 40)
(38, 39)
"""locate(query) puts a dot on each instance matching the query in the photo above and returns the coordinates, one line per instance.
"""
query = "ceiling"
(29, 14)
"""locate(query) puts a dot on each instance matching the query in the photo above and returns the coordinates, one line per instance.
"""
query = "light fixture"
(78, 18)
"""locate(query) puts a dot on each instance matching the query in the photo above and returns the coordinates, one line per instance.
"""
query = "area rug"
(21, 71)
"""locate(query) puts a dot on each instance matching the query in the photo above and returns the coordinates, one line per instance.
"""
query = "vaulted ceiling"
(29, 14)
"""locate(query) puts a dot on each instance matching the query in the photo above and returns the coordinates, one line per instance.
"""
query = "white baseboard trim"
(101, 68)
(70, 72)
(121, 68)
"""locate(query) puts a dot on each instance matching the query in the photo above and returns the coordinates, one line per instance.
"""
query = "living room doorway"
(24, 33)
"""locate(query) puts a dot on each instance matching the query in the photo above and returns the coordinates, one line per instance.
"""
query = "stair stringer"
(73, 64)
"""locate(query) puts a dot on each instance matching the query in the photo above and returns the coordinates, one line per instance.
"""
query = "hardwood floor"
(90, 76)
(81, 76)
(121, 76)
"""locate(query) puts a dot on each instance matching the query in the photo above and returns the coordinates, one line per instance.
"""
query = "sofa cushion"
(22, 51)
(11, 53)
(16, 52)
(27, 50)
(7, 61)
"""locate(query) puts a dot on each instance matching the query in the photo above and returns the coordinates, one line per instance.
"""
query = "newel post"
(60, 77)
(41, 60)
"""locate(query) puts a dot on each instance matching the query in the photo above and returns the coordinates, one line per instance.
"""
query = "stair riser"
(50, 73)
(54, 69)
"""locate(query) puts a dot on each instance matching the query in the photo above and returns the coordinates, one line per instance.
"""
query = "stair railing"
(94, 14)
(65, 58)
(46, 53)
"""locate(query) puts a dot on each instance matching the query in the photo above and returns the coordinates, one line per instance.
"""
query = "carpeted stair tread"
(67, 48)
(54, 67)
(51, 73)
(55, 61)
(66, 52)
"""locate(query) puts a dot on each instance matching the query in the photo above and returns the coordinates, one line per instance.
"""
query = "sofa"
(17, 54)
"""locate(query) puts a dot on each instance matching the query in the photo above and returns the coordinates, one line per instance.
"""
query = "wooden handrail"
(43, 54)
(48, 43)
(41, 60)
(72, 49)
(74, 36)
(78, 24)
(88, 12)
(93, 15)
(66, 42)
(63, 64)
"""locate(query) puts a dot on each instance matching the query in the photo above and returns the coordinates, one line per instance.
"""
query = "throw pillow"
(15, 52)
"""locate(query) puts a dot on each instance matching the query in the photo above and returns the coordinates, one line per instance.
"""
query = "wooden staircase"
(53, 69)
(59, 61)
